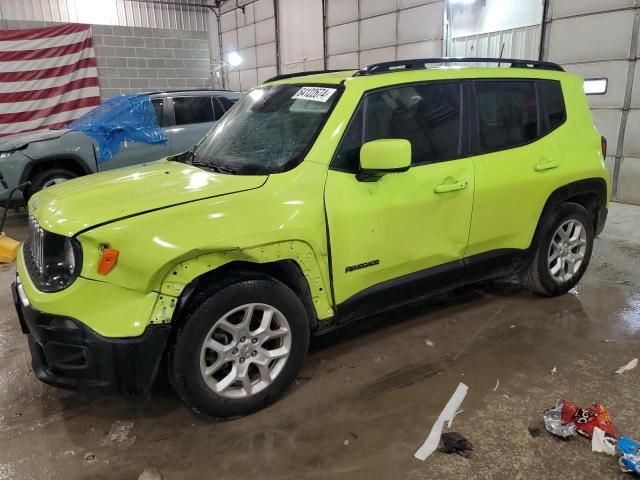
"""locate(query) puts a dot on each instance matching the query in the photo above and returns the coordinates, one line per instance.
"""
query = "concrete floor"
(369, 395)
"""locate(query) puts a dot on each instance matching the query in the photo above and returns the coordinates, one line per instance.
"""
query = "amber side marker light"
(108, 260)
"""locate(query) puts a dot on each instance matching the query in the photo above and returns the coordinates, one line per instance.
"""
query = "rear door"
(393, 232)
(518, 162)
(193, 117)
(132, 153)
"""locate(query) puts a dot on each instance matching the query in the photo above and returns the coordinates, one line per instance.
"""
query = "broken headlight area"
(53, 261)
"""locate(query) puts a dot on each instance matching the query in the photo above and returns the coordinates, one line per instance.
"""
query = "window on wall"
(428, 116)
(507, 113)
(193, 110)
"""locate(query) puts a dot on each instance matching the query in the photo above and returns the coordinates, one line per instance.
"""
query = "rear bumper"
(66, 353)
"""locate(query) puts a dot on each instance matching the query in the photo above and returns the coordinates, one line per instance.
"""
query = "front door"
(405, 226)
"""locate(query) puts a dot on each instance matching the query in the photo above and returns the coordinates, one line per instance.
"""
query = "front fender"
(165, 250)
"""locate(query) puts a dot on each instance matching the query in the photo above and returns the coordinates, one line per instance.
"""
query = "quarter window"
(193, 110)
(428, 115)
(507, 113)
(553, 101)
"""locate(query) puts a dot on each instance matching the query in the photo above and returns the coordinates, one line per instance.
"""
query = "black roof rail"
(304, 74)
(421, 63)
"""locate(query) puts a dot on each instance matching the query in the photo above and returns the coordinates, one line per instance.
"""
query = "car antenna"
(501, 52)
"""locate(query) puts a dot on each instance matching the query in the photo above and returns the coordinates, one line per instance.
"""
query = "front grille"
(36, 244)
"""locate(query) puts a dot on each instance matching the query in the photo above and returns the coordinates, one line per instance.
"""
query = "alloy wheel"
(245, 350)
(567, 250)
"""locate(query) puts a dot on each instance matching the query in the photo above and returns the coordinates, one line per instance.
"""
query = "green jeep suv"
(316, 200)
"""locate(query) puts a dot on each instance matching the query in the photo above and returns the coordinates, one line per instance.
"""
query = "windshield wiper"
(213, 167)
(184, 157)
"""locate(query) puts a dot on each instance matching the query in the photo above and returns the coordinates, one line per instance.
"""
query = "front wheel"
(240, 348)
(563, 250)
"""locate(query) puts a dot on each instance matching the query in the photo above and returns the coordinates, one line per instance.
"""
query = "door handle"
(541, 167)
(450, 187)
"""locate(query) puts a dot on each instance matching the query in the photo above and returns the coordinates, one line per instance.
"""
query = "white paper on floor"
(629, 366)
(431, 443)
(600, 442)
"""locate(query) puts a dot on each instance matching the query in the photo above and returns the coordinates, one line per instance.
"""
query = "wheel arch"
(591, 193)
(286, 271)
(68, 162)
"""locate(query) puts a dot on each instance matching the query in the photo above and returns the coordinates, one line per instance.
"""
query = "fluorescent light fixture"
(234, 59)
(462, 2)
(595, 86)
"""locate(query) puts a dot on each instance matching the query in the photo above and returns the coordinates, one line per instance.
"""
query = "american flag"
(48, 77)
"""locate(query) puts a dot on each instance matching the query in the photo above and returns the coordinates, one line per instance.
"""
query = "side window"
(192, 110)
(157, 107)
(553, 101)
(427, 115)
(221, 105)
(507, 113)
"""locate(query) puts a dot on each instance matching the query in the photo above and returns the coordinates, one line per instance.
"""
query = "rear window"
(193, 110)
(507, 114)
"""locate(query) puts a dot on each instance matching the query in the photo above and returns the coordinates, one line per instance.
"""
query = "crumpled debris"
(446, 416)
(603, 443)
(453, 442)
(630, 455)
(629, 366)
(566, 418)
(90, 457)
(553, 422)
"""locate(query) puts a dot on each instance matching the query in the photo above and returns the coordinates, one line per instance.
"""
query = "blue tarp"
(125, 118)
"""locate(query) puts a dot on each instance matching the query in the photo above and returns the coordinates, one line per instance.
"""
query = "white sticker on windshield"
(316, 94)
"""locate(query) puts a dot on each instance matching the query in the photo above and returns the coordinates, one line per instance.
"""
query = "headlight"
(53, 261)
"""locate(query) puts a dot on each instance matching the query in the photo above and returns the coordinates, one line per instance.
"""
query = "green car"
(316, 200)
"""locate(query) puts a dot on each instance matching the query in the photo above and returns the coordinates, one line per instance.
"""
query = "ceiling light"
(595, 86)
(234, 59)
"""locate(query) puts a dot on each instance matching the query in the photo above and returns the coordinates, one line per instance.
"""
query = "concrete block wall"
(599, 39)
(135, 59)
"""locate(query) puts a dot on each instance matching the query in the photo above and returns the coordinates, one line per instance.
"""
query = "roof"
(203, 91)
(448, 66)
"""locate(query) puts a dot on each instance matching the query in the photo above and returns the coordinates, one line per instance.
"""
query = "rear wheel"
(240, 348)
(563, 250)
(48, 178)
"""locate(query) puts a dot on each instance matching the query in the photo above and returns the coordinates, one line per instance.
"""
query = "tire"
(556, 269)
(47, 178)
(212, 316)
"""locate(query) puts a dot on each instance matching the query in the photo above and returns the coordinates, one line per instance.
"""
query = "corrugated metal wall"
(595, 39)
(361, 32)
(107, 12)
(252, 34)
(515, 43)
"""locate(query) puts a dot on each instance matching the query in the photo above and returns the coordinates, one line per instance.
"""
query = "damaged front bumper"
(68, 354)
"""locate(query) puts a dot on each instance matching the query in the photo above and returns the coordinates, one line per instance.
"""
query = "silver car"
(47, 157)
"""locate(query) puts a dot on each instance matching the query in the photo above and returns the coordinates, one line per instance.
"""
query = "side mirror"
(379, 157)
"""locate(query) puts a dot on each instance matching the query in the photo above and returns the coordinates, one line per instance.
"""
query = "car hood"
(19, 140)
(80, 204)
